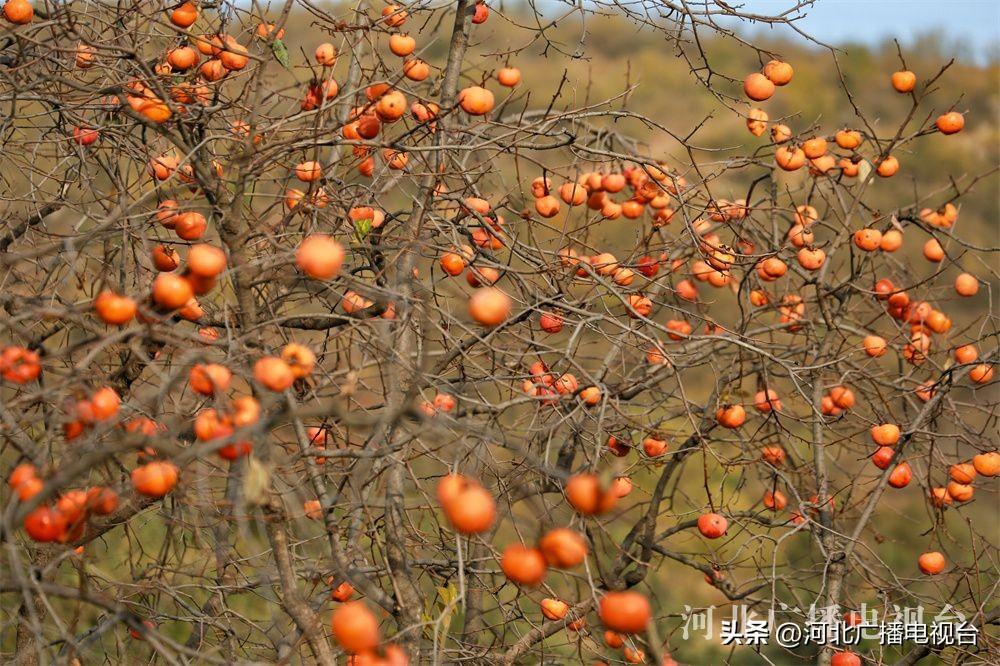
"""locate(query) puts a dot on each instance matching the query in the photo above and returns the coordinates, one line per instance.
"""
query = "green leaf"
(280, 52)
(362, 227)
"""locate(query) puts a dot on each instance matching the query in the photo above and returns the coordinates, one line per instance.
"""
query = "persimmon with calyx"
(987, 464)
(712, 525)
(868, 239)
(550, 322)
(887, 167)
(778, 72)
(981, 374)
(960, 492)
(299, 358)
(775, 500)
(731, 416)
(165, 258)
(790, 158)
(342, 592)
(190, 225)
(185, 15)
(767, 401)
(509, 76)
(402, 45)
(842, 396)
(101, 501)
(654, 446)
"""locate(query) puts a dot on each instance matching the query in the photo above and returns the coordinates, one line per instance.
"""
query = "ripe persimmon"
(778, 72)
(775, 500)
(19, 12)
(964, 473)
(790, 158)
(171, 291)
(470, 510)
(712, 525)
(904, 81)
(845, 658)
(757, 121)
(966, 285)
(585, 494)
(319, 256)
(273, 373)
(326, 54)
(209, 378)
(950, 123)
(563, 548)
(114, 309)
(887, 167)
(886, 434)
(165, 258)
(401, 44)
(901, 475)
(848, 139)
(758, 87)
(190, 225)
(509, 76)
(185, 15)
(476, 100)
(206, 260)
(626, 612)
(554, 609)
(931, 563)
(731, 416)
(523, 565)
(489, 306)
(355, 627)
(155, 479)
(981, 374)
(867, 239)
(987, 464)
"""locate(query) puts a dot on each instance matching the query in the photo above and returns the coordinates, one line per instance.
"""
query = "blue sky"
(972, 25)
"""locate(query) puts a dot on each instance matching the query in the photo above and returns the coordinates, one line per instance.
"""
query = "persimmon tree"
(326, 331)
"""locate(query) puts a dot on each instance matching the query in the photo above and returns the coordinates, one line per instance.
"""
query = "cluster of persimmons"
(652, 195)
